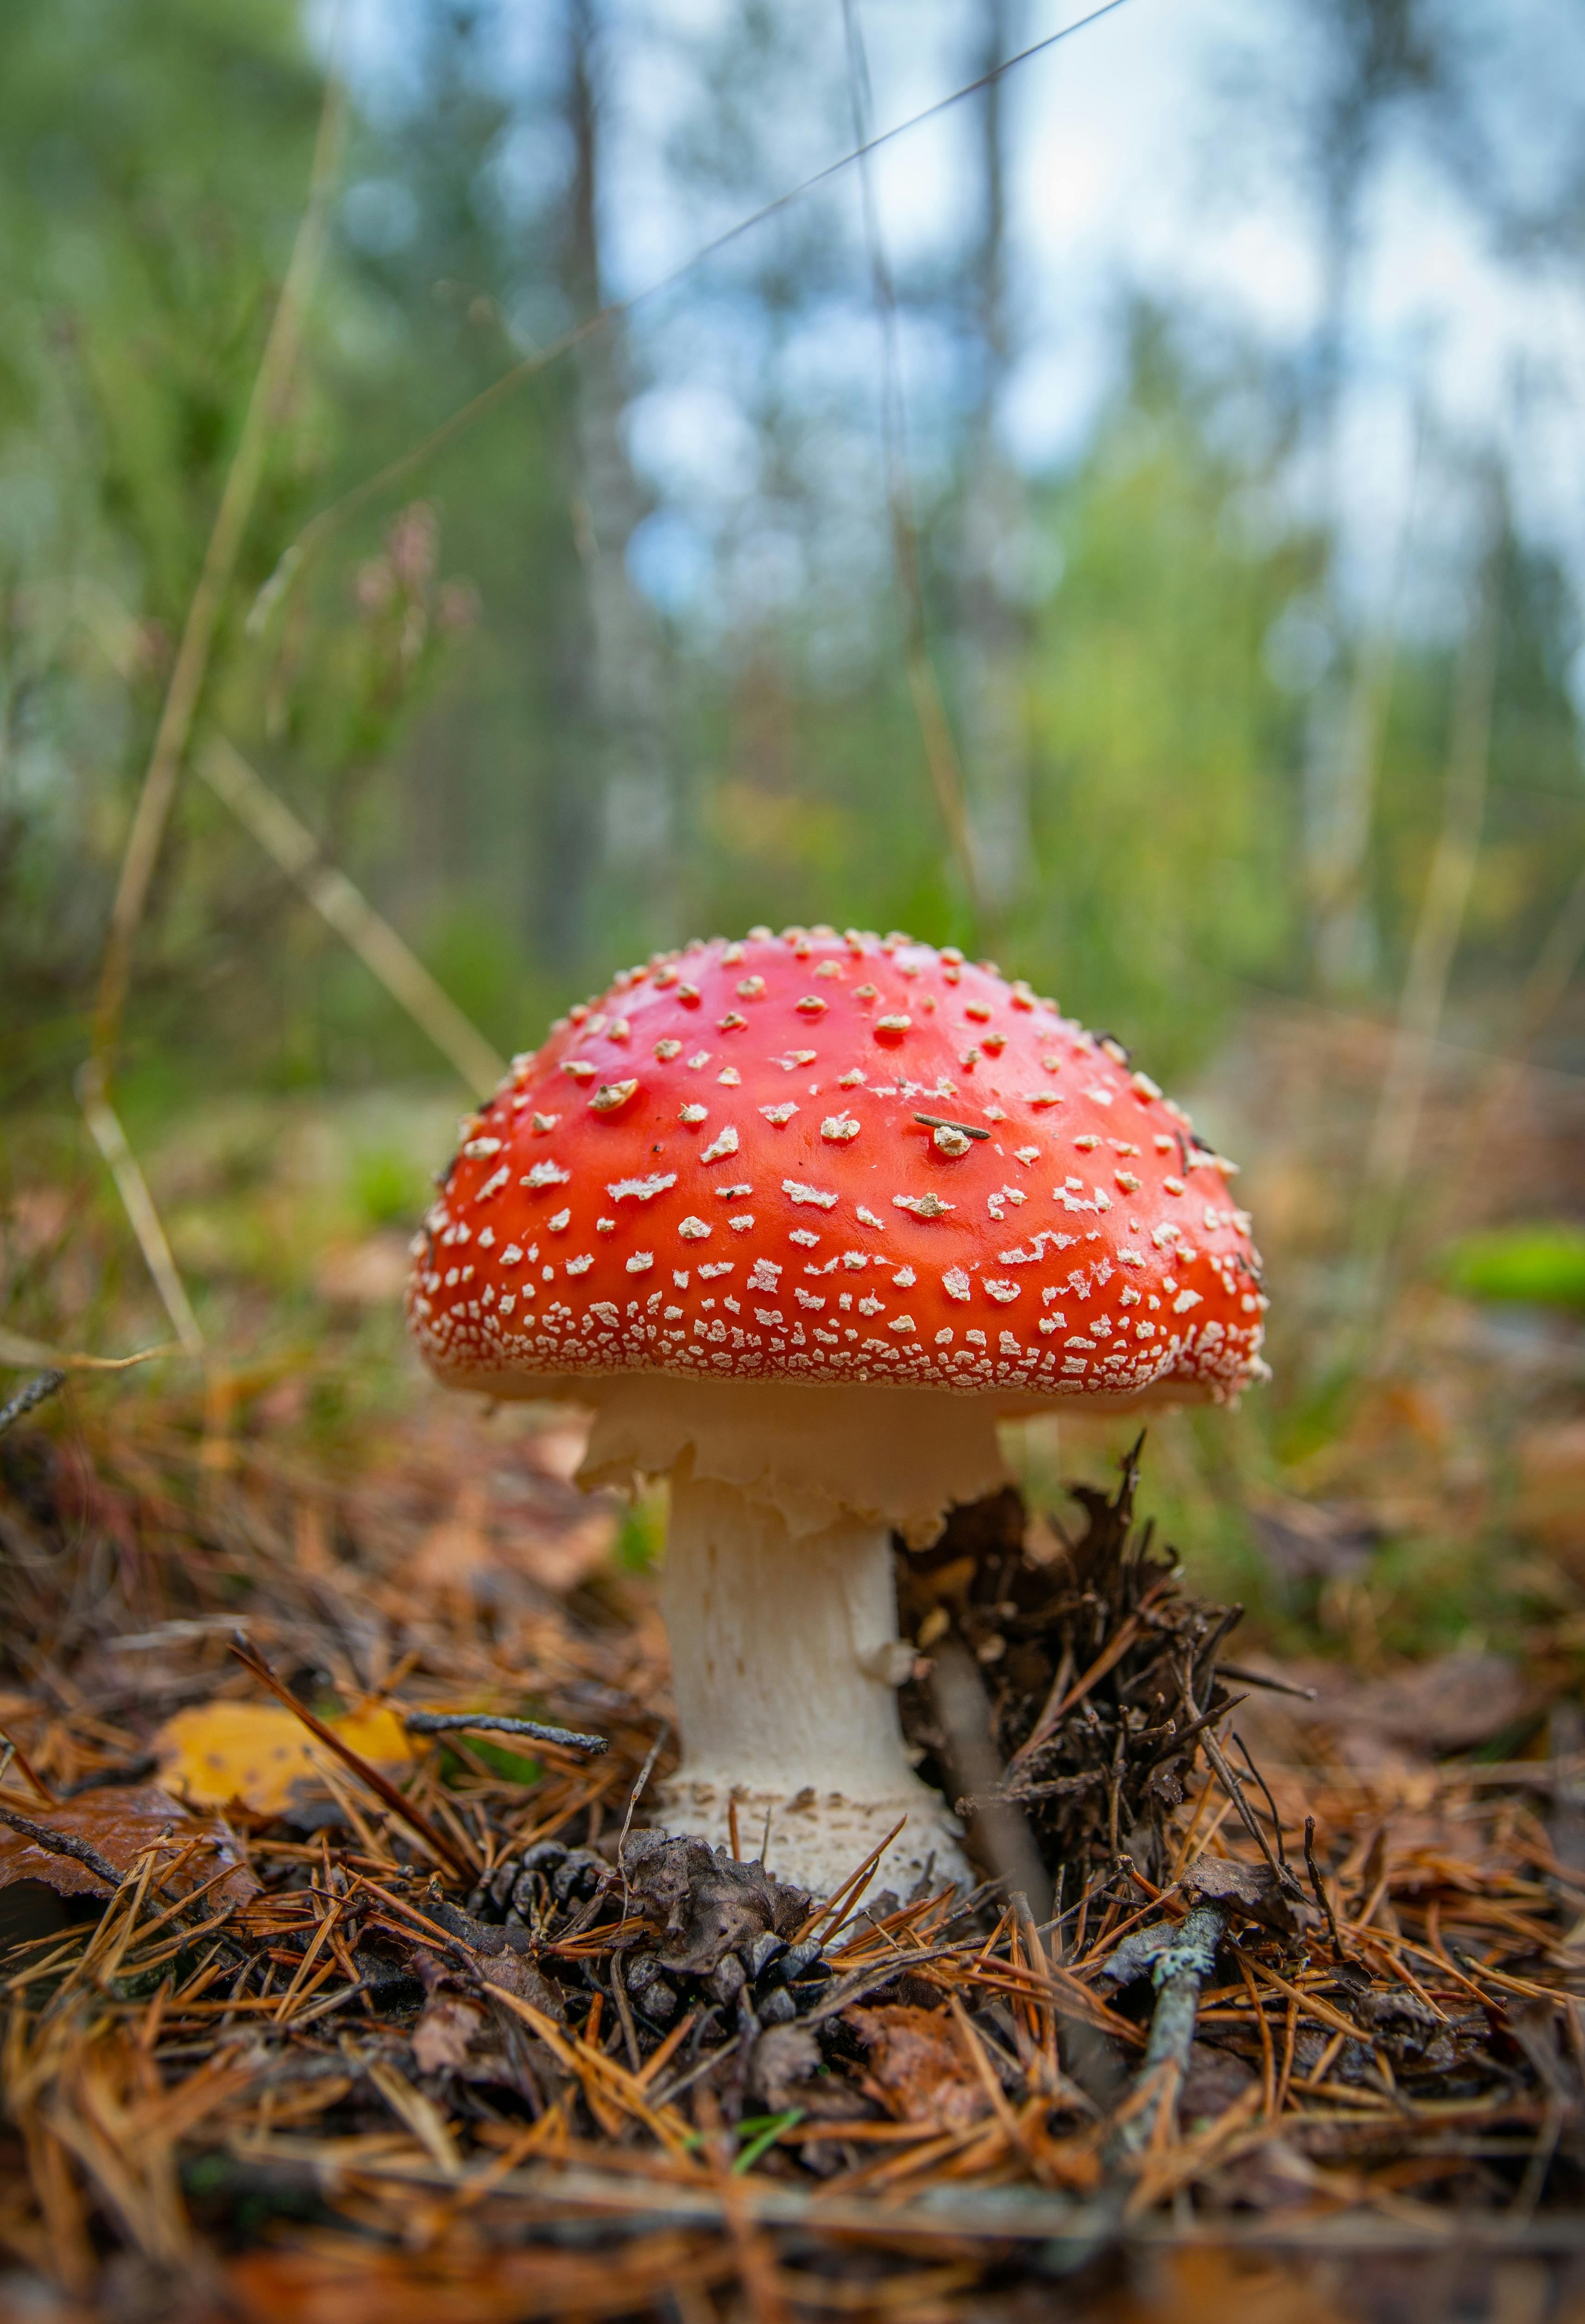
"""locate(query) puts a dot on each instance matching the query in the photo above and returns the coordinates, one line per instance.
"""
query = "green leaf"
(1537, 1261)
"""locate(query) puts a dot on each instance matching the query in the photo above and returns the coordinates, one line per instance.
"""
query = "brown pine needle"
(380, 1785)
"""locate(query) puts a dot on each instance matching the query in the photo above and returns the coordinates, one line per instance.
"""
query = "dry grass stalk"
(191, 667)
(341, 905)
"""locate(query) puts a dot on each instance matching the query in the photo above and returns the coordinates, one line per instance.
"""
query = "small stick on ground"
(31, 1393)
(63, 1843)
(1316, 1882)
(1266, 1795)
(1178, 1973)
(634, 1796)
(400, 1805)
(450, 1722)
(1235, 1790)
(624, 2011)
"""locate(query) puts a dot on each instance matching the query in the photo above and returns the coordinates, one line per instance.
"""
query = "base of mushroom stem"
(819, 1841)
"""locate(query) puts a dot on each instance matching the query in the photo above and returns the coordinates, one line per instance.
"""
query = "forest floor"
(405, 2049)
(350, 2020)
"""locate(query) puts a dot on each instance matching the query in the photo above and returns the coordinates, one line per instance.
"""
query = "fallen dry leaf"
(368, 1274)
(1214, 2080)
(784, 2070)
(918, 2068)
(1204, 2287)
(339, 2281)
(259, 1753)
(442, 2035)
(1246, 1888)
(481, 1556)
(1551, 1486)
(118, 1821)
(1382, 1727)
(509, 1972)
(1449, 1704)
(1311, 1540)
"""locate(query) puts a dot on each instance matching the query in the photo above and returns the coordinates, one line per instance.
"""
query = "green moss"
(513, 1767)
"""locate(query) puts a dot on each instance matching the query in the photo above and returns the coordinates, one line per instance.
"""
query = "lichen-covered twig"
(1182, 1965)
(451, 1722)
(31, 1393)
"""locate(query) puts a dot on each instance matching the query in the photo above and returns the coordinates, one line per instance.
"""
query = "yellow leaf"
(378, 1735)
(258, 1753)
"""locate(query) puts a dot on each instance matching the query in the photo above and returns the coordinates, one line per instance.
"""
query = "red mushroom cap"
(815, 1156)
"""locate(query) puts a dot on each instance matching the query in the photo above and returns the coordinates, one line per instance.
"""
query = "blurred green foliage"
(642, 1541)
(388, 1185)
(442, 694)
(514, 1765)
(1166, 803)
(1540, 1262)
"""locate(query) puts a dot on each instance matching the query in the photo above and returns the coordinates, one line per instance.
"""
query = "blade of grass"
(191, 665)
(105, 1128)
(18, 1354)
(341, 905)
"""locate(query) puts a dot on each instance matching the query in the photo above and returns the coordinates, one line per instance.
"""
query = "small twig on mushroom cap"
(940, 1121)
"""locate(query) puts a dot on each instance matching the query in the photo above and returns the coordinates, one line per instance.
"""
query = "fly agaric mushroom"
(799, 1218)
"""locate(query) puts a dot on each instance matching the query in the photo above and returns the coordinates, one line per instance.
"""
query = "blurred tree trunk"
(993, 631)
(619, 799)
(1343, 730)
(1382, 55)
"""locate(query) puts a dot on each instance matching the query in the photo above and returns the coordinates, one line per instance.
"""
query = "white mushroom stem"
(785, 1663)
(781, 1606)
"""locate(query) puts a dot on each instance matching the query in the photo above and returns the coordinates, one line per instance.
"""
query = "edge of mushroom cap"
(1014, 1377)
(1006, 1402)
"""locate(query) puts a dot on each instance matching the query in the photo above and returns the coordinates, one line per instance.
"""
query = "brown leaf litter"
(421, 2033)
